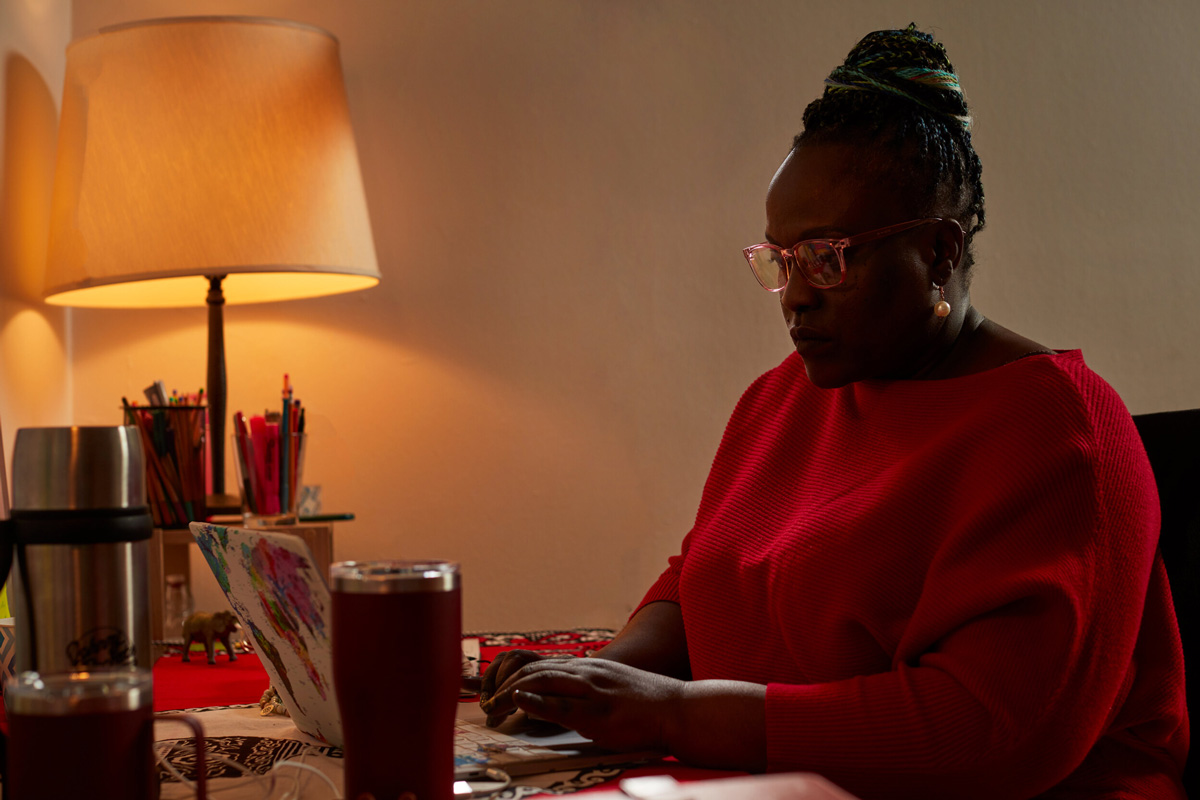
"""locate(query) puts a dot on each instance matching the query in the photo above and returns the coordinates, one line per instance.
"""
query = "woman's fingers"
(547, 678)
(579, 712)
(573, 693)
(494, 700)
(614, 704)
(500, 702)
(501, 669)
(570, 712)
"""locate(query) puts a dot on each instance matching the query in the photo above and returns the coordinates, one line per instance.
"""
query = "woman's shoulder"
(1013, 364)
(1019, 382)
(1048, 374)
(1054, 401)
(1053, 387)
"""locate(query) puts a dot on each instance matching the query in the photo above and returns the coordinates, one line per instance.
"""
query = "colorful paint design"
(215, 556)
(283, 602)
(282, 580)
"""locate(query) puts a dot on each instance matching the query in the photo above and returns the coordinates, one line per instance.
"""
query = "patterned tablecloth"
(251, 746)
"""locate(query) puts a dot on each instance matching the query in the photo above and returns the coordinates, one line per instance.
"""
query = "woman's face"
(879, 323)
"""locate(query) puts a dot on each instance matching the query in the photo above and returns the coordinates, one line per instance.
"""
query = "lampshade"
(206, 146)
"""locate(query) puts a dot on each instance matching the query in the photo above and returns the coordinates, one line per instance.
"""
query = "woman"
(924, 562)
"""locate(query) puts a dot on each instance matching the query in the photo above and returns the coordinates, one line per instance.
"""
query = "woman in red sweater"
(924, 561)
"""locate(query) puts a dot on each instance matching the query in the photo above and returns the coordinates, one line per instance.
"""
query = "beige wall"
(34, 372)
(559, 190)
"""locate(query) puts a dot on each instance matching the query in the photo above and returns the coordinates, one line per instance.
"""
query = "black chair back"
(1172, 440)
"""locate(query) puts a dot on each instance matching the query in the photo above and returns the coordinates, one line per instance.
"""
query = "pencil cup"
(397, 663)
(269, 473)
(173, 439)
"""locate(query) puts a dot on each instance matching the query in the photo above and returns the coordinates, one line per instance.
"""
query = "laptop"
(283, 602)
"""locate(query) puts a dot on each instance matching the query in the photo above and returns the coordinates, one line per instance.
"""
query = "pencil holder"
(269, 473)
(173, 441)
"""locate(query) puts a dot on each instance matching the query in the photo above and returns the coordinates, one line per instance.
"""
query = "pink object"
(264, 455)
(822, 261)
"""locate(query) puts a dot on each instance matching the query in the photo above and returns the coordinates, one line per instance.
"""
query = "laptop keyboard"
(478, 745)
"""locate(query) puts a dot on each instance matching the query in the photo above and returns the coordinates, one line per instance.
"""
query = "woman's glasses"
(821, 261)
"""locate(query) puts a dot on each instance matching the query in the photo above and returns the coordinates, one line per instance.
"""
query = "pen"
(285, 449)
(327, 518)
(242, 437)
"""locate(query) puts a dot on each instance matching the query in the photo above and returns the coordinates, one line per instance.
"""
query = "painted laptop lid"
(283, 602)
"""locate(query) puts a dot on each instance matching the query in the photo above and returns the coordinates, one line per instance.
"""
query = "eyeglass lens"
(818, 262)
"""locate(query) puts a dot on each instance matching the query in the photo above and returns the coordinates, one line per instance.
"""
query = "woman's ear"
(947, 250)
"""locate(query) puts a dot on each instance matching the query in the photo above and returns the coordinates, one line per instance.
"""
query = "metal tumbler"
(78, 542)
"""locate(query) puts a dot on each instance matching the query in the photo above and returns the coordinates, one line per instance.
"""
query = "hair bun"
(908, 64)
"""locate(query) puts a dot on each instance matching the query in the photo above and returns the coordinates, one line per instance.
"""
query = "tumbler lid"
(394, 577)
(64, 694)
(78, 468)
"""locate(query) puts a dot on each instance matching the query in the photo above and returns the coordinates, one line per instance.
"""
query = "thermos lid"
(72, 693)
(78, 468)
(393, 577)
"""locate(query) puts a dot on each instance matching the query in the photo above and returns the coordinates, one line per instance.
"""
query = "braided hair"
(897, 88)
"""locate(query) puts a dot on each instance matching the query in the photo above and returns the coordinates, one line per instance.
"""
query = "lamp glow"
(206, 159)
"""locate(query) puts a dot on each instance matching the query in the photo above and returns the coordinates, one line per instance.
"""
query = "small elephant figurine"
(209, 628)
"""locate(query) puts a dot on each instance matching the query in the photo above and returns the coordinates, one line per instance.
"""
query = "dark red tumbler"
(397, 663)
(81, 735)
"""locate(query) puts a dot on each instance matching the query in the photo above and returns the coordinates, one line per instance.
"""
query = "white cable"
(186, 747)
(297, 764)
(162, 760)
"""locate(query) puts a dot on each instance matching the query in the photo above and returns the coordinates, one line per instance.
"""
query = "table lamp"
(206, 160)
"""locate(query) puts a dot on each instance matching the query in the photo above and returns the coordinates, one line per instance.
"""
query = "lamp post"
(206, 160)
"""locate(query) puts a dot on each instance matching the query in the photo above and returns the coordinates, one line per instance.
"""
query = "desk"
(170, 554)
(240, 733)
(224, 698)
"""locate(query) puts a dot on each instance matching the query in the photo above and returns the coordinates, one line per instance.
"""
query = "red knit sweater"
(949, 587)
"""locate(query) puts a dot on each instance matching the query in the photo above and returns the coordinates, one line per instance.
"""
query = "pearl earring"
(942, 308)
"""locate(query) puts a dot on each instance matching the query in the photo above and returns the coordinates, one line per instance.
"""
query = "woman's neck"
(977, 345)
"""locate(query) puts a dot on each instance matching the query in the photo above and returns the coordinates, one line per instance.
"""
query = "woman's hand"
(498, 672)
(616, 705)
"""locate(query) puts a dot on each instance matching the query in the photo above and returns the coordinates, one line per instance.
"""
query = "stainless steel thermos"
(78, 541)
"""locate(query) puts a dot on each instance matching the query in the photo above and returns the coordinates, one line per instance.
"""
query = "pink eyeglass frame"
(838, 245)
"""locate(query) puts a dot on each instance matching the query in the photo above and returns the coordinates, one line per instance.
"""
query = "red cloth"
(198, 684)
(950, 587)
(574, 643)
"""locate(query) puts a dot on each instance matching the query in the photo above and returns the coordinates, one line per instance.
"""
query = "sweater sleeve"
(666, 587)
(1018, 655)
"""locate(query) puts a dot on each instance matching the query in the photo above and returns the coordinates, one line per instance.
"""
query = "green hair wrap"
(889, 62)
